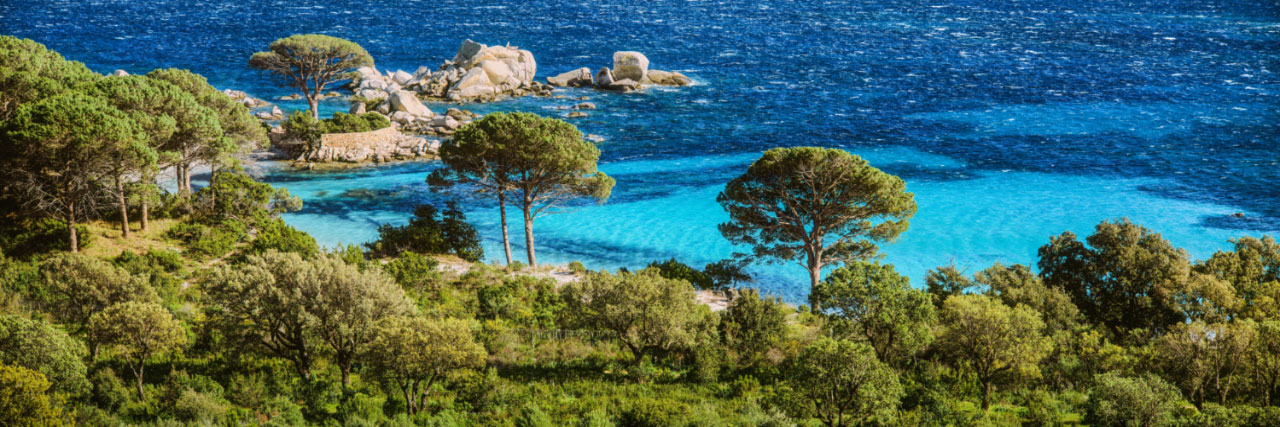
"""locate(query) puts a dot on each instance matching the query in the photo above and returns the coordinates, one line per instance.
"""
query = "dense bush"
(275, 234)
(430, 232)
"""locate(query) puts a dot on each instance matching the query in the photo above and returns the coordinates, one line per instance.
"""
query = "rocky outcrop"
(273, 114)
(244, 98)
(630, 65)
(630, 72)
(576, 78)
(382, 145)
(119, 73)
(477, 73)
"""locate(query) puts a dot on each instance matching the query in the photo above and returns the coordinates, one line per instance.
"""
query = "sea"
(1011, 121)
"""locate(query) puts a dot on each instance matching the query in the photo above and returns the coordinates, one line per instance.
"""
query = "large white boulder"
(497, 71)
(408, 102)
(474, 77)
(630, 65)
(401, 78)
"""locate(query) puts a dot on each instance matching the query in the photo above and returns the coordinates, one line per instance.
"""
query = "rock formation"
(477, 73)
(630, 72)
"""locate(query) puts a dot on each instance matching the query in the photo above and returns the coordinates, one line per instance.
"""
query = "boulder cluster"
(408, 114)
(630, 72)
(477, 73)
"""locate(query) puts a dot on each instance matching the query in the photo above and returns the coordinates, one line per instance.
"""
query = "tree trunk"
(815, 276)
(124, 208)
(314, 104)
(506, 238)
(143, 205)
(138, 374)
(528, 232)
(71, 227)
(346, 373)
(408, 400)
(986, 395)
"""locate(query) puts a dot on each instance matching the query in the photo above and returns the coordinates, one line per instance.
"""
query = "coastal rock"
(630, 65)
(477, 73)
(408, 102)
(576, 78)
(585, 106)
(604, 77)
(119, 73)
(667, 78)
(357, 109)
(577, 114)
(624, 85)
(401, 78)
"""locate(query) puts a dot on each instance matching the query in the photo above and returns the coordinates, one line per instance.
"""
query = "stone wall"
(380, 145)
(358, 139)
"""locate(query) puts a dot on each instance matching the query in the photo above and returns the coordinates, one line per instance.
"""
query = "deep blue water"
(1011, 120)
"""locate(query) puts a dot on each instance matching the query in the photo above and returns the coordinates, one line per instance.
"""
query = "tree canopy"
(818, 206)
(871, 302)
(308, 62)
(542, 161)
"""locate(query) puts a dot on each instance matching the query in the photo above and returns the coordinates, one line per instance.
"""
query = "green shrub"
(1118, 400)
(275, 234)
(204, 242)
(577, 267)
(109, 391)
(28, 238)
(673, 269)
(651, 412)
(163, 268)
(196, 406)
(533, 416)
(39, 346)
(415, 273)
(430, 232)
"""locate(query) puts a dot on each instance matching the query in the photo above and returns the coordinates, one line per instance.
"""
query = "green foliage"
(29, 72)
(1252, 270)
(31, 238)
(138, 331)
(429, 232)
(414, 353)
(296, 307)
(204, 242)
(39, 346)
(577, 267)
(77, 286)
(752, 326)
(308, 62)
(677, 270)
(999, 343)
(276, 235)
(943, 282)
(307, 128)
(234, 195)
(415, 273)
(1143, 401)
(1127, 277)
(1017, 285)
(23, 399)
(871, 302)
(816, 205)
(61, 151)
(163, 268)
(541, 163)
(842, 383)
(648, 313)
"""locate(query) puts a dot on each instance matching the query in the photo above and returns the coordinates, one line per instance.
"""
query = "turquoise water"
(1011, 121)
